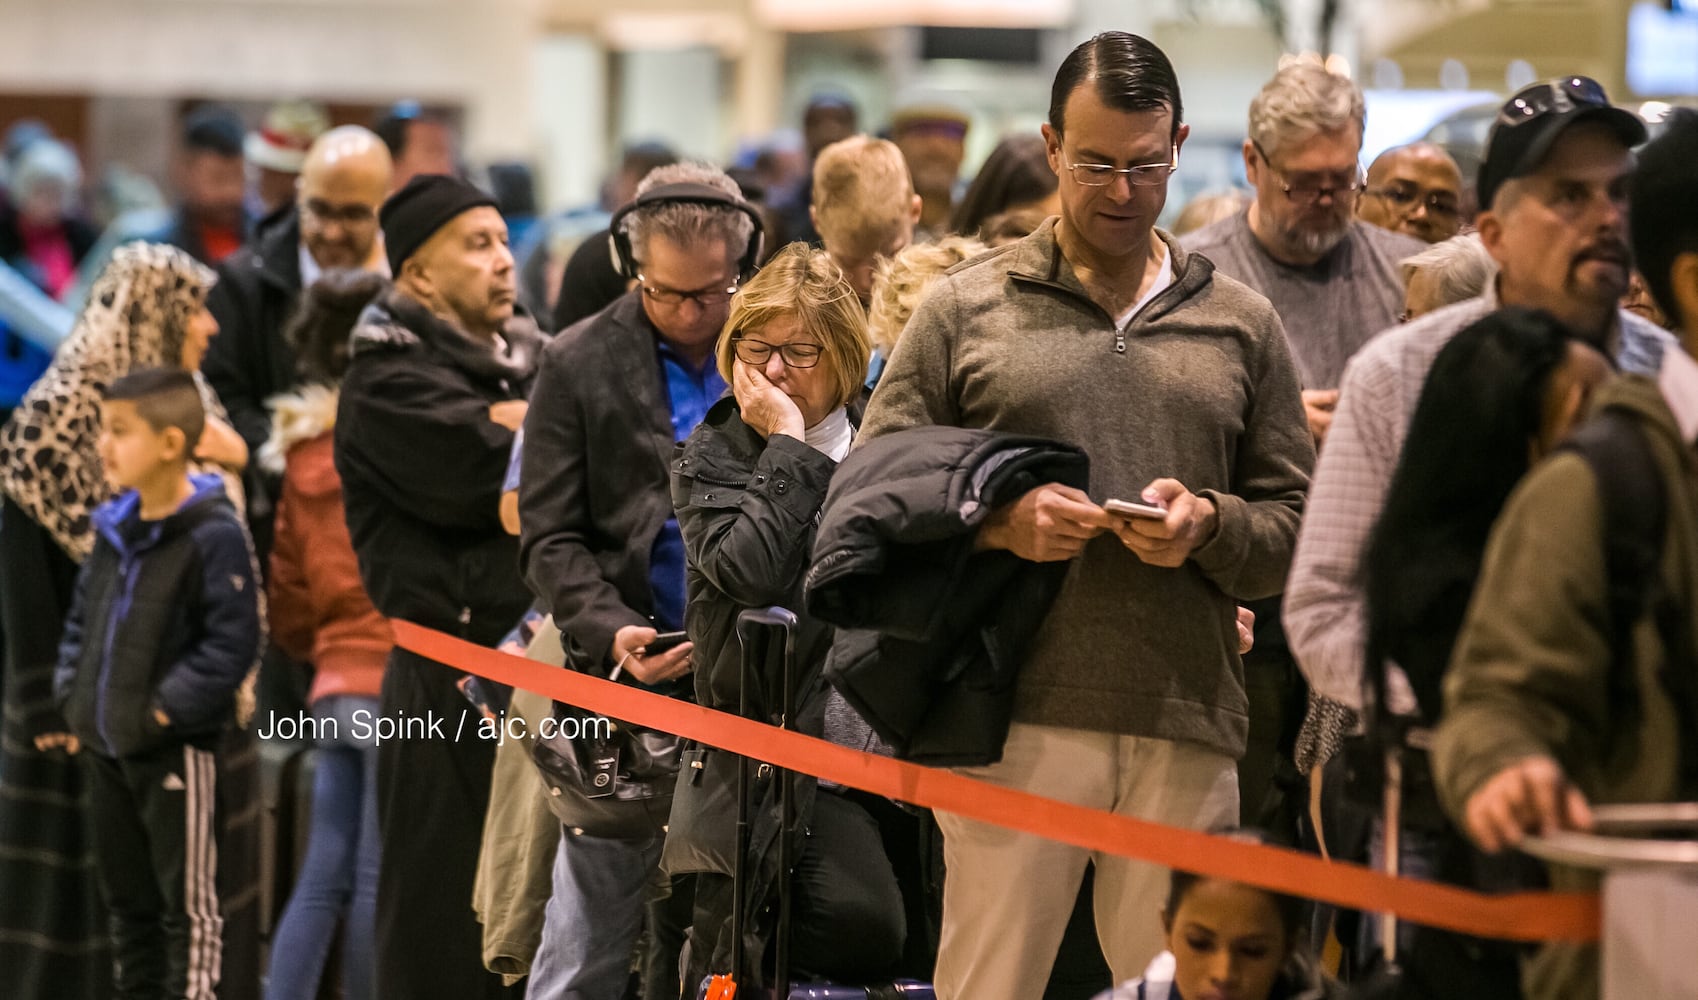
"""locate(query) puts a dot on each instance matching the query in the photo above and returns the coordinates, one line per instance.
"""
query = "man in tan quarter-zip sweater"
(1099, 331)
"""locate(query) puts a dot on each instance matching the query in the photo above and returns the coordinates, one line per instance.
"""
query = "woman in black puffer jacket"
(747, 486)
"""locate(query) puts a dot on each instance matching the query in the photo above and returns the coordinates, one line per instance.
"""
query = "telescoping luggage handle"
(1650, 897)
(749, 623)
(1611, 844)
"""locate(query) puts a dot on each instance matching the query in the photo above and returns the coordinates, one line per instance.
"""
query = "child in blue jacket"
(164, 630)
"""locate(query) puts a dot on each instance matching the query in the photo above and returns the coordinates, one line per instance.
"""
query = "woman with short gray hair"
(1456, 270)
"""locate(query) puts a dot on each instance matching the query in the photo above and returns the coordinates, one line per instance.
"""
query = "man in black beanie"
(433, 395)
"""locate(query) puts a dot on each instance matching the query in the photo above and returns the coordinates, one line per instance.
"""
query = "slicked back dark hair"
(1664, 208)
(164, 397)
(1129, 72)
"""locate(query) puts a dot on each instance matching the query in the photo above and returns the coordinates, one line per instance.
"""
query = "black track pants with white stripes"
(154, 848)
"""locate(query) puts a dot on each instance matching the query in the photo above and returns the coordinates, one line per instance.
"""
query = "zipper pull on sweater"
(1119, 340)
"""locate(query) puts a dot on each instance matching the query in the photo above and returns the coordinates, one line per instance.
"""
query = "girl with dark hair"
(1500, 396)
(320, 613)
(1016, 178)
(1230, 941)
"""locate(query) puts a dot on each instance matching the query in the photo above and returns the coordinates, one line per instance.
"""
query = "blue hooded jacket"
(166, 615)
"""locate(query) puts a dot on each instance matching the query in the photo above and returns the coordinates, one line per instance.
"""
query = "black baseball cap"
(1528, 125)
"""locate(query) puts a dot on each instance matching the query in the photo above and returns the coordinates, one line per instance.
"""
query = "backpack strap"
(1635, 516)
(1635, 521)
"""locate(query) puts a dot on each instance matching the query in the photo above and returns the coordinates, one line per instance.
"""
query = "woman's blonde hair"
(804, 282)
(903, 279)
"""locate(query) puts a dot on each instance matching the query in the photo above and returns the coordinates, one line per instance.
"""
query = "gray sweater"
(1329, 308)
(1200, 388)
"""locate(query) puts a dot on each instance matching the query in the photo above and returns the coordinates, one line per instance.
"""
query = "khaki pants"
(1007, 895)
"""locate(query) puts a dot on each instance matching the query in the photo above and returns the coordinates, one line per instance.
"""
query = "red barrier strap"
(1514, 916)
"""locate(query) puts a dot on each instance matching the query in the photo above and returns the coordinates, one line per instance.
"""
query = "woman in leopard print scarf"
(53, 938)
(135, 318)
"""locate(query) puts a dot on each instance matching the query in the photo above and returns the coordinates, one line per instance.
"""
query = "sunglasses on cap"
(1556, 97)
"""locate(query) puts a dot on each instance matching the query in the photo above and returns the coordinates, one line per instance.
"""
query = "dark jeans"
(157, 857)
(848, 919)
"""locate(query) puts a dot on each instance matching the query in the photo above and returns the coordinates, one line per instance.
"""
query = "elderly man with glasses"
(331, 224)
(600, 544)
(1335, 281)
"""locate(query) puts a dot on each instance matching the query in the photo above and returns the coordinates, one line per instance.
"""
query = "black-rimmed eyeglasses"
(758, 352)
(712, 295)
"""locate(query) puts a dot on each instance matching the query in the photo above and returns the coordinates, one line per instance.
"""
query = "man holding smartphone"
(599, 541)
(1101, 332)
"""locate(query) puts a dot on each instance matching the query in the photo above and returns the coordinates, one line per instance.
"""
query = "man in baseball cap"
(1553, 194)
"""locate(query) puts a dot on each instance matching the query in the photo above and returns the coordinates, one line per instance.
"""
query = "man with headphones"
(599, 544)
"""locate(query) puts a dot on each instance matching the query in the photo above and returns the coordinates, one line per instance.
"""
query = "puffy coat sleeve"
(71, 643)
(199, 688)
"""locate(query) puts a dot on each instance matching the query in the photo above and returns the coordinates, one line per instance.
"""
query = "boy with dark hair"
(164, 630)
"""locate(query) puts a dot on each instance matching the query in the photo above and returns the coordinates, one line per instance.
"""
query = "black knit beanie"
(413, 214)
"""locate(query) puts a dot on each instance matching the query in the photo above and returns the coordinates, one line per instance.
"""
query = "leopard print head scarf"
(136, 317)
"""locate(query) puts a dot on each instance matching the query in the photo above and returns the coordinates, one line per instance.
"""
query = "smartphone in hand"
(1128, 508)
(665, 642)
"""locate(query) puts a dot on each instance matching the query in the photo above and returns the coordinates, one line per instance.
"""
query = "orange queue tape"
(1515, 916)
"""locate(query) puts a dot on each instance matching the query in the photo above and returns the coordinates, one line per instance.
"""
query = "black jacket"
(257, 290)
(593, 496)
(166, 614)
(748, 508)
(422, 466)
(933, 633)
(590, 283)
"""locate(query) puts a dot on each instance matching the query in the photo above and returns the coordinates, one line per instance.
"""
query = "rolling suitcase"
(750, 626)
